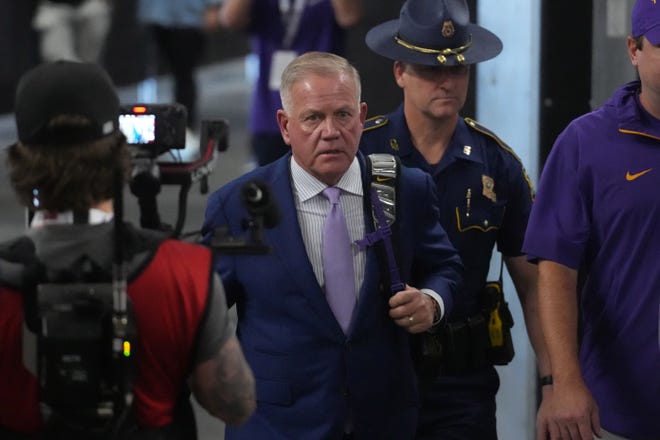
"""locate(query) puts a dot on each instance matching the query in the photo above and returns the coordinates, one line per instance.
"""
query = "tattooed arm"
(222, 381)
(224, 385)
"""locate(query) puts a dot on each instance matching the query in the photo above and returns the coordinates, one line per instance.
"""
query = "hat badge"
(448, 29)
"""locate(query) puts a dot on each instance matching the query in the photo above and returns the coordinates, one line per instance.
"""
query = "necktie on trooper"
(338, 261)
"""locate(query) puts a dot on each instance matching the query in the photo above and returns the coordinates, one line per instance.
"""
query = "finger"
(400, 298)
(401, 321)
(565, 433)
(542, 431)
(401, 313)
(595, 422)
(555, 432)
(409, 323)
(584, 432)
(574, 432)
(416, 329)
(402, 309)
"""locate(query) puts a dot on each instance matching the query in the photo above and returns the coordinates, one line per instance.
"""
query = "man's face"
(435, 91)
(324, 125)
(647, 61)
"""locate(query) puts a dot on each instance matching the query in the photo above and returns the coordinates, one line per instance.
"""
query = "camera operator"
(63, 168)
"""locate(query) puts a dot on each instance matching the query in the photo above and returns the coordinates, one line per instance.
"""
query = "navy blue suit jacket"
(310, 376)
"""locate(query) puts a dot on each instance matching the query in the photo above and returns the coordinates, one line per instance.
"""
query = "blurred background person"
(282, 30)
(72, 29)
(177, 29)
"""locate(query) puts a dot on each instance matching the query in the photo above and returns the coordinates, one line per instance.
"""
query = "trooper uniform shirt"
(485, 195)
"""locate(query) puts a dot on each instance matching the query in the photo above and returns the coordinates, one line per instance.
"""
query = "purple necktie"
(338, 261)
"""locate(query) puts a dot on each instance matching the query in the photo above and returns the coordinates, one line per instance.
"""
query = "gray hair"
(317, 63)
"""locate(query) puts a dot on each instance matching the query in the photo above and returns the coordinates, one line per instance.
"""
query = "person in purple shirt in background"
(282, 30)
(594, 231)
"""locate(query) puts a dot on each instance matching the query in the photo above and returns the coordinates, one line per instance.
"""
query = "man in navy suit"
(316, 380)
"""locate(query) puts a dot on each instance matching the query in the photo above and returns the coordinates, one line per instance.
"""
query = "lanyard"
(291, 12)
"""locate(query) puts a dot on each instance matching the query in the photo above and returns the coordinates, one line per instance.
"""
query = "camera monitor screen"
(138, 129)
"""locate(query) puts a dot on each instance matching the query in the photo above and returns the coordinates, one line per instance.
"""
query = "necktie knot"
(332, 193)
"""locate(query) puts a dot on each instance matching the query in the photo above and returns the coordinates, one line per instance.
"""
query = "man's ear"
(363, 112)
(632, 50)
(283, 122)
(397, 70)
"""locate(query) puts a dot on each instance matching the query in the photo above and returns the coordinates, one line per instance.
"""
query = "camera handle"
(145, 185)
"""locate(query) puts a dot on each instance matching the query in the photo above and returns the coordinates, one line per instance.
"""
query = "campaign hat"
(646, 20)
(434, 33)
(65, 88)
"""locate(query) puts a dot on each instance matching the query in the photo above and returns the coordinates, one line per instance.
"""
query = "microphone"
(258, 200)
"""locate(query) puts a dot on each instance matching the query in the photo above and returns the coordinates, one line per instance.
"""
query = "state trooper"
(485, 199)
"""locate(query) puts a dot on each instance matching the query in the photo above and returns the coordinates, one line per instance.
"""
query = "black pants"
(182, 49)
(460, 407)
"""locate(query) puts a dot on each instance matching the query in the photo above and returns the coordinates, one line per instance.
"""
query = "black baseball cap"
(65, 88)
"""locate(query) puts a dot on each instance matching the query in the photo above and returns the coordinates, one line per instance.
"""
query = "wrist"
(437, 313)
(438, 305)
(546, 380)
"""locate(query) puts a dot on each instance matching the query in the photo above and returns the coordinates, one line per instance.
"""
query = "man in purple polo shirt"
(594, 230)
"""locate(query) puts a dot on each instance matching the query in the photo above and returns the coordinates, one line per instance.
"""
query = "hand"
(572, 413)
(543, 415)
(412, 309)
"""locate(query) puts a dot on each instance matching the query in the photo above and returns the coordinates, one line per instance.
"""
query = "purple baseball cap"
(646, 20)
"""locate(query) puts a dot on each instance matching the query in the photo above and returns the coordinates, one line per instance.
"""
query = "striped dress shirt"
(312, 207)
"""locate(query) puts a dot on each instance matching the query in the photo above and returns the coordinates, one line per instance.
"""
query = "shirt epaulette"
(375, 122)
(483, 130)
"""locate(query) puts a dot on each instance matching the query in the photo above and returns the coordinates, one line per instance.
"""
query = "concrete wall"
(507, 103)
(610, 64)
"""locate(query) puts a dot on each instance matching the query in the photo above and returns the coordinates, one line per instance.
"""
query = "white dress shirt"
(312, 207)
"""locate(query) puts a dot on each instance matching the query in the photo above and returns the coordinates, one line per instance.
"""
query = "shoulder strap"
(21, 269)
(382, 172)
(17, 261)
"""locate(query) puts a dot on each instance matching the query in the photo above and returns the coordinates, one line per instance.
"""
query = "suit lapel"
(288, 247)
